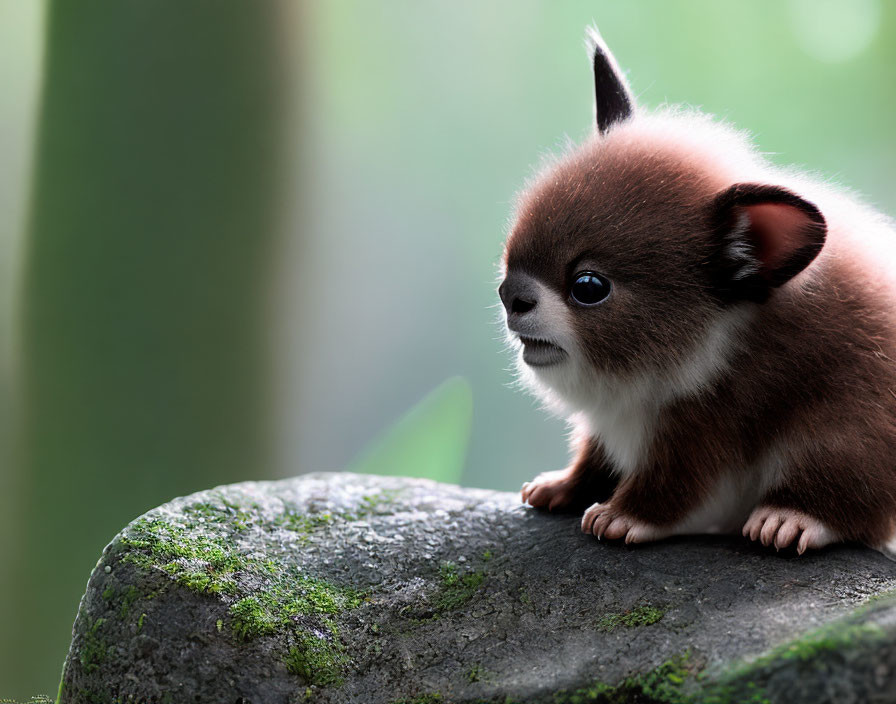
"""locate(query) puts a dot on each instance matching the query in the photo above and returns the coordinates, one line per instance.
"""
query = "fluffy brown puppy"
(721, 333)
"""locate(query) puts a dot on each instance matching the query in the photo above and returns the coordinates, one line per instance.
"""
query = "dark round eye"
(589, 288)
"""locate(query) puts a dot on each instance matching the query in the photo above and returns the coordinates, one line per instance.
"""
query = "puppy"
(720, 332)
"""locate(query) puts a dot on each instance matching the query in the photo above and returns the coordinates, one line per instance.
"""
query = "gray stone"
(348, 588)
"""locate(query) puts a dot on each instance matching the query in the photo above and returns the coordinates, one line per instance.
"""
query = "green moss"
(307, 524)
(128, 597)
(263, 596)
(315, 654)
(833, 637)
(276, 607)
(234, 515)
(830, 638)
(201, 563)
(241, 518)
(140, 622)
(678, 681)
(639, 616)
(666, 684)
(456, 589)
(744, 682)
(304, 524)
(93, 649)
(318, 658)
(876, 599)
(744, 693)
(250, 619)
(377, 504)
(476, 673)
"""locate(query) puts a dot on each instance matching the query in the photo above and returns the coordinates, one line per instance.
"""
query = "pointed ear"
(765, 235)
(613, 100)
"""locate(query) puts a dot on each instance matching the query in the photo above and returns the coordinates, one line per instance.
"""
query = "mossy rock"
(348, 588)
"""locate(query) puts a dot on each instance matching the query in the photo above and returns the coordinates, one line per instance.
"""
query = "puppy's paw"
(604, 521)
(551, 490)
(782, 527)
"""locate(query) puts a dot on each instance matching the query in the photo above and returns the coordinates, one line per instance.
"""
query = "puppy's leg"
(836, 489)
(649, 505)
(605, 521)
(586, 480)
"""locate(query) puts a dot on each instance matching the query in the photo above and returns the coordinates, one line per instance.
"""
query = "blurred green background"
(240, 240)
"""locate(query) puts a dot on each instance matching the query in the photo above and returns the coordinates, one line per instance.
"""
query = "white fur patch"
(734, 497)
(712, 354)
(724, 509)
(550, 322)
(623, 412)
(623, 415)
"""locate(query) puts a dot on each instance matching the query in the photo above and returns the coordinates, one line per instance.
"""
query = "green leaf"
(430, 441)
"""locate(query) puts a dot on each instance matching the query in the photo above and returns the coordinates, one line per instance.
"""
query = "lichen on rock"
(376, 590)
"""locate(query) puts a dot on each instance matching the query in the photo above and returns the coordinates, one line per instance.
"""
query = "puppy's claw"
(786, 533)
(602, 521)
(618, 528)
(770, 528)
(780, 527)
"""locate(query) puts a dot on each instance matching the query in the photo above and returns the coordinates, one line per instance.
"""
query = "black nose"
(518, 294)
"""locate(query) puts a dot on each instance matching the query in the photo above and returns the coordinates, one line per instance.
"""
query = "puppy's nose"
(518, 293)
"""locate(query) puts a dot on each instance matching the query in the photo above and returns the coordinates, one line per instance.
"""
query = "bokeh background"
(245, 240)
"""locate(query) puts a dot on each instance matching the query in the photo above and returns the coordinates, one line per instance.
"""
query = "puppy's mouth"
(541, 353)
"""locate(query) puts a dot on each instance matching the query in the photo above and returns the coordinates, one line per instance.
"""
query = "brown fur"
(810, 382)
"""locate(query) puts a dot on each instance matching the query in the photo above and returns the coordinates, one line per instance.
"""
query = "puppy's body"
(740, 372)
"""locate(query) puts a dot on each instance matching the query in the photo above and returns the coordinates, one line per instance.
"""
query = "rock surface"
(348, 588)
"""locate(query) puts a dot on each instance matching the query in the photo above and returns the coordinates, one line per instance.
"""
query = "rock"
(349, 588)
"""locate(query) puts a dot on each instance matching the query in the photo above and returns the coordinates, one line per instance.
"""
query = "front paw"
(550, 490)
(604, 521)
(782, 526)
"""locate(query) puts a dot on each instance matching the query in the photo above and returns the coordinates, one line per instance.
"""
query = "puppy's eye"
(588, 288)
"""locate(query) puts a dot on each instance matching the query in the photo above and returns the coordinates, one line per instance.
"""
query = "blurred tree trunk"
(154, 216)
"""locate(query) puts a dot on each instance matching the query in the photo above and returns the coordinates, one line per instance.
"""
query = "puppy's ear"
(612, 98)
(764, 235)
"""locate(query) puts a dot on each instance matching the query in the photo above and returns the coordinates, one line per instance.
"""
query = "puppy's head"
(633, 255)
